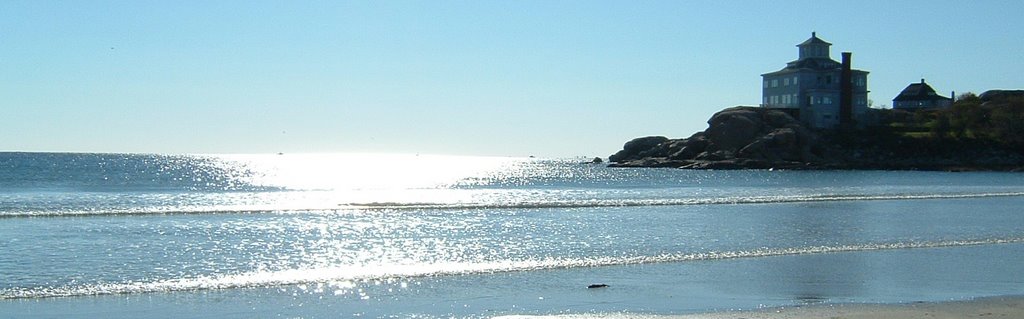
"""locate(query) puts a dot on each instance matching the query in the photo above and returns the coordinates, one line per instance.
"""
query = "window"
(766, 84)
(764, 100)
(785, 82)
(794, 79)
(775, 83)
(826, 100)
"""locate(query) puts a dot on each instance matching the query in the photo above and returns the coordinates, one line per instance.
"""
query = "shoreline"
(1008, 306)
(759, 287)
(996, 307)
(733, 164)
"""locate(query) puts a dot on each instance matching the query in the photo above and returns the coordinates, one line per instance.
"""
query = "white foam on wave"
(673, 202)
(337, 275)
(526, 204)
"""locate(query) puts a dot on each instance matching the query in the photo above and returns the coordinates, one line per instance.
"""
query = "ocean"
(427, 236)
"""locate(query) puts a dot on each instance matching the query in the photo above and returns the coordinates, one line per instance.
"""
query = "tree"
(1007, 121)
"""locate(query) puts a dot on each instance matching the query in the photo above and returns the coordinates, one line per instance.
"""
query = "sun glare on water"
(367, 172)
(304, 182)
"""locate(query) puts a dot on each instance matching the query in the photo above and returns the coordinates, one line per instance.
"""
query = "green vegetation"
(971, 134)
(997, 122)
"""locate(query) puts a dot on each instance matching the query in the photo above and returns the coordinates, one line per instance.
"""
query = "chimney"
(846, 92)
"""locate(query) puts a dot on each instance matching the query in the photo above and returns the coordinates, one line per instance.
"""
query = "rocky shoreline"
(746, 137)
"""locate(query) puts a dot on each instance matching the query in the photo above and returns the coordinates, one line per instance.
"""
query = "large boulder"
(737, 137)
(761, 134)
(632, 150)
(733, 128)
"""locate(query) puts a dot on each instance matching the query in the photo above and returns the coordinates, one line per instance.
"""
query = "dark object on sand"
(597, 286)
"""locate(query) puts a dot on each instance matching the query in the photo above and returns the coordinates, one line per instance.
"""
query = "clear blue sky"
(507, 78)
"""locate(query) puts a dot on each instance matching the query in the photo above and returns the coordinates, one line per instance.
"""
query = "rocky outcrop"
(997, 95)
(638, 148)
(736, 138)
(761, 138)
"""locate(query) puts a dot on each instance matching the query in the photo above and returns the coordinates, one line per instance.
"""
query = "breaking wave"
(493, 204)
(348, 273)
(674, 202)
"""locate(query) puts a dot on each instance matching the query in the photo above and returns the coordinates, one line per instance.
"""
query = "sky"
(497, 78)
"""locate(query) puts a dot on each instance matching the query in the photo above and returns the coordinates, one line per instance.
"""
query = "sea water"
(418, 236)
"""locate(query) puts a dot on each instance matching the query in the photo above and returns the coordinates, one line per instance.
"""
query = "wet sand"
(996, 307)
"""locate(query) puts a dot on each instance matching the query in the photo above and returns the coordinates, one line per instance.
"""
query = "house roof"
(815, 64)
(918, 92)
(813, 40)
(812, 63)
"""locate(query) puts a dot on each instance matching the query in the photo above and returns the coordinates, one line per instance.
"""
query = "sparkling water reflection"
(330, 224)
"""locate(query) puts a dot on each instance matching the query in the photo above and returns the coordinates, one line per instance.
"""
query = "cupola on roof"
(814, 48)
(813, 40)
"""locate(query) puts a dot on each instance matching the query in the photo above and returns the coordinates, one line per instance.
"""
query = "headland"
(974, 134)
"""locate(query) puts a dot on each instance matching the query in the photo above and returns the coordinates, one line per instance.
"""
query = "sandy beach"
(994, 307)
